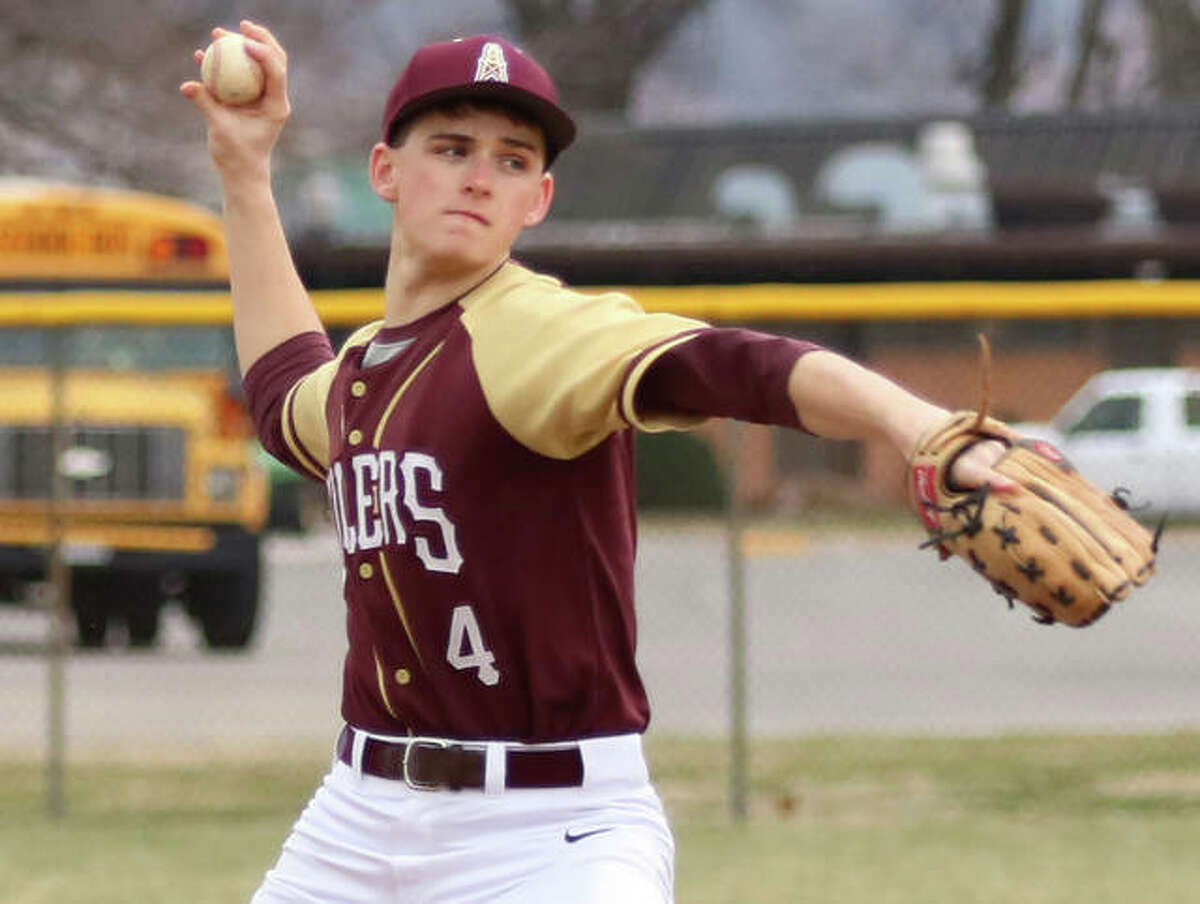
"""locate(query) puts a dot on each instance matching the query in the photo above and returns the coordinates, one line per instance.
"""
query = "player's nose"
(478, 177)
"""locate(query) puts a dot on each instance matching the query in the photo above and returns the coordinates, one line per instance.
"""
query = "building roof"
(640, 206)
(1047, 161)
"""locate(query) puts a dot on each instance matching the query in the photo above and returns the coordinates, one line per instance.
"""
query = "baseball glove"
(1057, 543)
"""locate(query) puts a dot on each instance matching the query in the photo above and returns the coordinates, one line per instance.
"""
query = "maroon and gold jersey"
(480, 476)
(480, 472)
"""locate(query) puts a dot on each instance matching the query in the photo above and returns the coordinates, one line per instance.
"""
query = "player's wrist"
(246, 183)
(911, 423)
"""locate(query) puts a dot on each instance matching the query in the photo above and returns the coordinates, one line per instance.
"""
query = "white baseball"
(230, 74)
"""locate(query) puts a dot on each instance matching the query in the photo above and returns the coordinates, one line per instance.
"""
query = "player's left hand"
(1038, 531)
(976, 468)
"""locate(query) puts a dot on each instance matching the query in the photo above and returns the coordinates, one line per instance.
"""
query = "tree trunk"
(1000, 69)
(1087, 36)
(595, 50)
(1174, 44)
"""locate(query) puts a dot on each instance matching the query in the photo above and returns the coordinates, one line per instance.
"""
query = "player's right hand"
(240, 139)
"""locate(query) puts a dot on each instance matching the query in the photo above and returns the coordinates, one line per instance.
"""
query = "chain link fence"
(790, 617)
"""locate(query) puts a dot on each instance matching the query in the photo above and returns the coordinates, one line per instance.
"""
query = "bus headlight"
(222, 484)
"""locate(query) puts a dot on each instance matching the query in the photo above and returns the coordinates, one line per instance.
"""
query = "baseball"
(229, 73)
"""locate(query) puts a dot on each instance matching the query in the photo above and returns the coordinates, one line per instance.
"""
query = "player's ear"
(382, 172)
(541, 205)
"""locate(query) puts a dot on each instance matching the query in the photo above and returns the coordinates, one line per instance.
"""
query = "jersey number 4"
(466, 649)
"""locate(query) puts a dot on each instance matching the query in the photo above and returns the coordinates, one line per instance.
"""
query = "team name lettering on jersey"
(379, 499)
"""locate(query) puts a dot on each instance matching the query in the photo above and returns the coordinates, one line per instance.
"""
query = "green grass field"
(1035, 820)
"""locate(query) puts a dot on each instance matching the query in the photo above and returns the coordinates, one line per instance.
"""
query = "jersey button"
(403, 676)
(365, 571)
(358, 389)
(355, 437)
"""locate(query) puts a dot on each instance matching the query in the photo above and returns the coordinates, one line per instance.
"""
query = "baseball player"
(476, 444)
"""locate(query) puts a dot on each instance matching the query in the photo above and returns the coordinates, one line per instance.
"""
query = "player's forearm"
(840, 399)
(270, 303)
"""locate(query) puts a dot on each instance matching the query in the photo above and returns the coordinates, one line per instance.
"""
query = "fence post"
(60, 582)
(735, 554)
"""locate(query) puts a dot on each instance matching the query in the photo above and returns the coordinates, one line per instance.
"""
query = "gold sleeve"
(305, 428)
(559, 368)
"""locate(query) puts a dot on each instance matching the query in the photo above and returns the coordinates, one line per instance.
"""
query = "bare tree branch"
(1000, 68)
(1087, 36)
(595, 50)
(90, 95)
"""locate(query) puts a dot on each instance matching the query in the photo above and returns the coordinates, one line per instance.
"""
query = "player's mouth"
(470, 215)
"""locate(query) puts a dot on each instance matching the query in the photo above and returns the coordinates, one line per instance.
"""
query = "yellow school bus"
(114, 324)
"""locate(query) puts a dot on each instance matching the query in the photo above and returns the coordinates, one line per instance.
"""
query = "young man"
(476, 447)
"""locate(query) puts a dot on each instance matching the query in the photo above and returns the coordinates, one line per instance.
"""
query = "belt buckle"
(413, 744)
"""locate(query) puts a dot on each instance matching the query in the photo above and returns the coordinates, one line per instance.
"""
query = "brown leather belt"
(432, 764)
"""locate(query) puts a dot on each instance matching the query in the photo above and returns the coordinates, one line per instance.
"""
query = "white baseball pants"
(368, 840)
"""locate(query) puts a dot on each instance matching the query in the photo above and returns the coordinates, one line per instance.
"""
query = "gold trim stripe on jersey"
(387, 412)
(380, 677)
(391, 586)
(293, 442)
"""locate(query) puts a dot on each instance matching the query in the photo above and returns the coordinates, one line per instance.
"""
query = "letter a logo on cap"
(491, 65)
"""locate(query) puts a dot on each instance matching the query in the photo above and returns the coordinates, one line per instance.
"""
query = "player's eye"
(515, 162)
(450, 150)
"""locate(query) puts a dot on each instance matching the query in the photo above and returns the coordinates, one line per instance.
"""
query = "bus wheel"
(90, 601)
(227, 609)
(143, 626)
(143, 607)
(225, 602)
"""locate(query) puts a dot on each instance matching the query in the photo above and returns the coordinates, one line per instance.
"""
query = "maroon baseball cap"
(485, 67)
